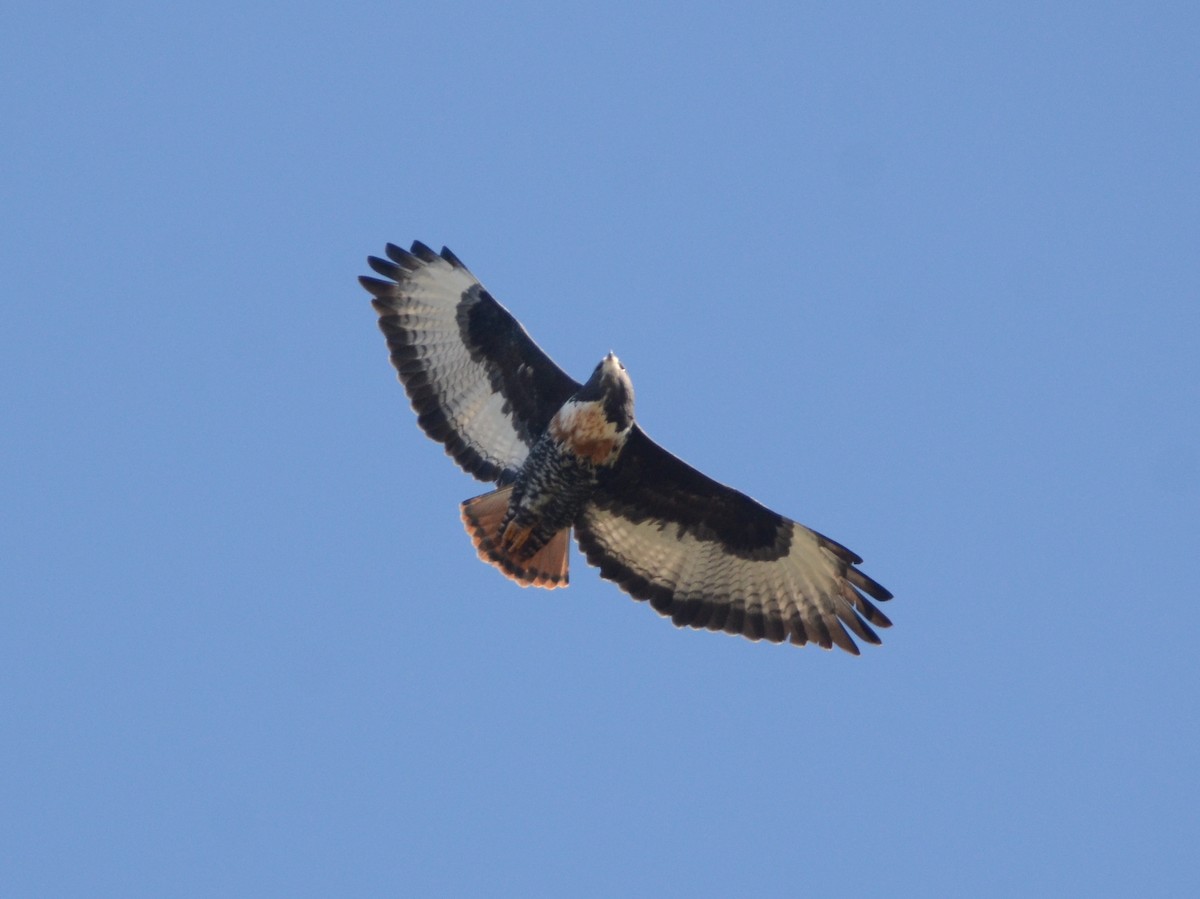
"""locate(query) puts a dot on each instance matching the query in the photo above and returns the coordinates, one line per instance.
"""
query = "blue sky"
(923, 278)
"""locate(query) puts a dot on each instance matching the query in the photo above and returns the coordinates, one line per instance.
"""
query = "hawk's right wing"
(477, 381)
(710, 557)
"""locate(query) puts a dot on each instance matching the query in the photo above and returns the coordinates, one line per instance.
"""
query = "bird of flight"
(569, 456)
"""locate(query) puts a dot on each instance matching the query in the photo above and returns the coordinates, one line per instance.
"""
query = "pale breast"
(583, 429)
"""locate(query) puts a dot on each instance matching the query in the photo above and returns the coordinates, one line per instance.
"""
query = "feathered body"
(570, 457)
(556, 481)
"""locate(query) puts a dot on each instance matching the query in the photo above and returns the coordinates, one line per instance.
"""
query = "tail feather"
(484, 516)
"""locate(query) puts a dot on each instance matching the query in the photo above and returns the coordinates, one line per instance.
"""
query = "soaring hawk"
(570, 456)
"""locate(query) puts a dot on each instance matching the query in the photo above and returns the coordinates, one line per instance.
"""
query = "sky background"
(923, 277)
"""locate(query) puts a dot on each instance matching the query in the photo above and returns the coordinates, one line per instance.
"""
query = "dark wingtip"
(872, 588)
(386, 268)
(842, 552)
(451, 258)
(402, 257)
(422, 252)
(376, 287)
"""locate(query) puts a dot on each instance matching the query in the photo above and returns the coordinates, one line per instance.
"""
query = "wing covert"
(710, 557)
(478, 382)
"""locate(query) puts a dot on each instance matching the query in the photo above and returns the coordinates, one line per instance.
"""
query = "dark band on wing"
(531, 386)
(649, 482)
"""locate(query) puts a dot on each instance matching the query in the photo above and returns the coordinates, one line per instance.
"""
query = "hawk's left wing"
(710, 557)
(477, 381)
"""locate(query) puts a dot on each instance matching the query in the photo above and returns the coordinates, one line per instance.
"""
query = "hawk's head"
(594, 423)
(610, 385)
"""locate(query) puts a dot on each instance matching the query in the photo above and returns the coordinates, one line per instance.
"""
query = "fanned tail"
(484, 516)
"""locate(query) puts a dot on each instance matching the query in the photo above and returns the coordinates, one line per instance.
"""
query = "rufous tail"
(484, 515)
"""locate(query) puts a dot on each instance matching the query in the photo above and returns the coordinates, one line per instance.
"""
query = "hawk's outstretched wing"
(479, 384)
(710, 557)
